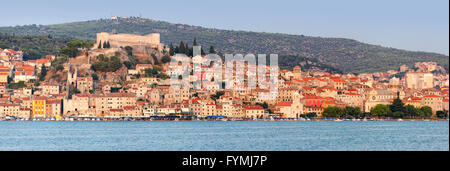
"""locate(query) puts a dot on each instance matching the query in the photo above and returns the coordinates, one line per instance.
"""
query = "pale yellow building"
(419, 80)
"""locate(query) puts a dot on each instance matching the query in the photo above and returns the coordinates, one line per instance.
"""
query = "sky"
(417, 25)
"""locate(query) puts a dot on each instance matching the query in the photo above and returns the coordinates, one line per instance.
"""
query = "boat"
(338, 120)
(400, 120)
(365, 120)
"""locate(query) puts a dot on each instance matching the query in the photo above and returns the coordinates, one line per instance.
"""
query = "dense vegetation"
(395, 110)
(337, 52)
(107, 64)
(18, 85)
(72, 48)
(290, 61)
(34, 47)
(155, 72)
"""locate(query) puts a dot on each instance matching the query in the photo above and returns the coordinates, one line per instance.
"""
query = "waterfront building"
(434, 101)
(9, 109)
(39, 107)
(254, 111)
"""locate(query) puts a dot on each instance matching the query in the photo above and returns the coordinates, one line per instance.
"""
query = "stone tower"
(297, 105)
(71, 78)
(297, 72)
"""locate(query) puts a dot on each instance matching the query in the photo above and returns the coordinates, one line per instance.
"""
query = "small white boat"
(400, 120)
(338, 120)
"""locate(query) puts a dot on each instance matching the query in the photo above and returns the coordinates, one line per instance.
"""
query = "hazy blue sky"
(421, 25)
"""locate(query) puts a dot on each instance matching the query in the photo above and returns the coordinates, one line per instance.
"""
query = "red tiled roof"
(352, 94)
(281, 104)
(338, 80)
(129, 107)
(253, 107)
(116, 110)
(82, 95)
(53, 102)
(433, 96)
(40, 98)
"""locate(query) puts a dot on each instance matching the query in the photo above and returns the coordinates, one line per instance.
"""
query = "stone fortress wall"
(140, 44)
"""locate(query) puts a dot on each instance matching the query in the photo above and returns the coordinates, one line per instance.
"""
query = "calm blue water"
(246, 136)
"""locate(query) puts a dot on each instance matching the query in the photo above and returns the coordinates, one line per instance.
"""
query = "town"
(128, 77)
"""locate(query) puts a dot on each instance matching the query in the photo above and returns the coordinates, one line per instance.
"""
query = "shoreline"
(221, 120)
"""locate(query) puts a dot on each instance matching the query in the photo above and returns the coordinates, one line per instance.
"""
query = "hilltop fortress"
(141, 45)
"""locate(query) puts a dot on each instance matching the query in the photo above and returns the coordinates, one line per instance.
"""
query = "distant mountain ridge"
(345, 54)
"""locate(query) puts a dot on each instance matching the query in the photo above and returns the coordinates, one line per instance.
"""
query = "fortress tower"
(297, 72)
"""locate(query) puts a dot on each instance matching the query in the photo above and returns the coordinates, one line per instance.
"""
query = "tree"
(217, 95)
(397, 105)
(332, 112)
(410, 111)
(264, 105)
(9, 79)
(426, 111)
(18, 85)
(105, 45)
(99, 45)
(155, 59)
(398, 114)
(355, 112)
(195, 42)
(128, 64)
(165, 59)
(43, 73)
(105, 64)
(181, 48)
(380, 110)
(152, 72)
(441, 114)
(211, 50)
(309, 115)
(129, 50)
(94, 76)
(187, 50)
(171, 49)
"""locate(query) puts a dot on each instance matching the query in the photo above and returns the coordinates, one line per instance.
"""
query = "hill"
(33, 46)
(344, 54)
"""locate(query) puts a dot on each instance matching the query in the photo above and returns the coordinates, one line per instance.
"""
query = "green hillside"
(344, 54)
(34, 47)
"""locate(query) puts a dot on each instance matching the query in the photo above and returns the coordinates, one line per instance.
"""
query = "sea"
(225, 136)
